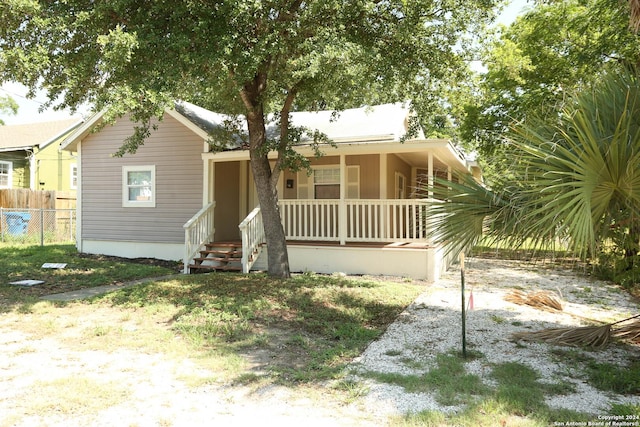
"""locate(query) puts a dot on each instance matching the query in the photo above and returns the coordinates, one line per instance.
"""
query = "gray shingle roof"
(33, 134)
(387, 122)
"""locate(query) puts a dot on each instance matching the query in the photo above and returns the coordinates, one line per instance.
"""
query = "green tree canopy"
(247, 57)
(576, 179)
(535, 64)
(7, 106)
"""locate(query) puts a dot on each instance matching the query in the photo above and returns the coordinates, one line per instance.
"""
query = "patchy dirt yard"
(92, 365)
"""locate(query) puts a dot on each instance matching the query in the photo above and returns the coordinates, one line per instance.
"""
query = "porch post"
(430, 176)
(383, 176)
(208, 171)
(243, 211)
(342, 206)
(384, 226)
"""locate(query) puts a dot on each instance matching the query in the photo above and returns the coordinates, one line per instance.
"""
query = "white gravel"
(432, 325)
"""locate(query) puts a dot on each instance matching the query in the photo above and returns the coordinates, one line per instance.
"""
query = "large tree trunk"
(278, 257)
(266, 185)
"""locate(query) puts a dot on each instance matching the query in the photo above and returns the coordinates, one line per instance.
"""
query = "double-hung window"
(6, 172)
(324, 183)
(139, 186)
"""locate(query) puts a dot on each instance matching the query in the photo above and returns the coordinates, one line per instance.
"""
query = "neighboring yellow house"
(30, 156)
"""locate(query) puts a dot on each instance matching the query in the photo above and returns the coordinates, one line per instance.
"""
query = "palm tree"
(576, 178)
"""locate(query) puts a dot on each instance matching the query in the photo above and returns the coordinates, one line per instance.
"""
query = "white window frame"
(151, 203)
(306, 183)
(9, 174)
(73, 176)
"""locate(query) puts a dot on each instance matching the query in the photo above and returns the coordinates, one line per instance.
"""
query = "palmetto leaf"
(578, 176)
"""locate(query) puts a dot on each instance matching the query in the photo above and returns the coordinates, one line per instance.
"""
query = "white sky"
(28, 108)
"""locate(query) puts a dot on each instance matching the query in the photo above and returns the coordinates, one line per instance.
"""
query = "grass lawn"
(21, 262)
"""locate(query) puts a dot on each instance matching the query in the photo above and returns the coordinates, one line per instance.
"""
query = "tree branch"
(284, 131)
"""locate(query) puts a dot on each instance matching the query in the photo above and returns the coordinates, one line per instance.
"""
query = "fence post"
(71, 213)
(41, 227)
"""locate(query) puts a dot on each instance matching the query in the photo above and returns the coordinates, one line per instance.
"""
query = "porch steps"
(218, 256)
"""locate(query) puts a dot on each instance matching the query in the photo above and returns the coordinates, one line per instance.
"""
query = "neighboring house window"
(6, 173)
(401, 186)
(74, 176)
(139, 186)
(324, 183)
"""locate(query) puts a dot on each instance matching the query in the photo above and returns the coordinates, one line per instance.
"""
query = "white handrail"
(198, 231)
(252, 231)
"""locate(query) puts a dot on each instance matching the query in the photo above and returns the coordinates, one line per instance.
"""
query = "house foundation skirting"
(164, 251)
(420, 263)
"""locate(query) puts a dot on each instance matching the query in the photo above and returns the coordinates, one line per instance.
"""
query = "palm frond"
(544, 300)
(576, 176)
(586, 336)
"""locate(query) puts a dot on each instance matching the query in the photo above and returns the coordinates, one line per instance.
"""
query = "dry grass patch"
(68, 396)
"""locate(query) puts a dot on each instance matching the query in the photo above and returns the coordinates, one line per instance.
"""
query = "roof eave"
(70, 143)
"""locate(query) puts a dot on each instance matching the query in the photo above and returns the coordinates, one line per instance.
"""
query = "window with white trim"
(6, 174)
(324, 183)
(139, 186)
(73, 180)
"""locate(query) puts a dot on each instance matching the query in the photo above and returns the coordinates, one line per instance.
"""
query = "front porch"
(377, 237)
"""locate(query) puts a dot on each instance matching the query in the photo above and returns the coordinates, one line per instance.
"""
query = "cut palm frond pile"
(586, 336)
(544, 300)
(629, 333)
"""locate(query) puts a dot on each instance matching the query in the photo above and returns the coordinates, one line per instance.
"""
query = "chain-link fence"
(37, 226)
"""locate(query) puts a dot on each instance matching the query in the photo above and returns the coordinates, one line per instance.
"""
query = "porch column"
(383, 176)
(383, 192)
(208, 171)
(430, 176)
(243, 178)
(342, 206)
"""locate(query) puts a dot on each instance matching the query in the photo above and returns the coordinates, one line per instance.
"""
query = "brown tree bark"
(265, 178)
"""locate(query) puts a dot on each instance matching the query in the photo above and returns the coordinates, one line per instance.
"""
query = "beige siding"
(176, 153)
(369, 174)
(290, 193)
(396, 164)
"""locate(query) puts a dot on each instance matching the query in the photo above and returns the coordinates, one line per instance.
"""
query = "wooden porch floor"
(390, 245)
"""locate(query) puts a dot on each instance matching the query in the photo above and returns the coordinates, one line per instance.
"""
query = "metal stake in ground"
(464, 313)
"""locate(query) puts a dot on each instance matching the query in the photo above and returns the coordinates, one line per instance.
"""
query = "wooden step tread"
(232, 254)
(215, 267)
(224, 244)
(217, 259)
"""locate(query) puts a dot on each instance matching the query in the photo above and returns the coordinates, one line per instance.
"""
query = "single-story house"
(359, 210)
(30, 157)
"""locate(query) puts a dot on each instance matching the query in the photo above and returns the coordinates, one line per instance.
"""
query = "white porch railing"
(252, 231)
(355, 220)
(310, 219)
(198, 231)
